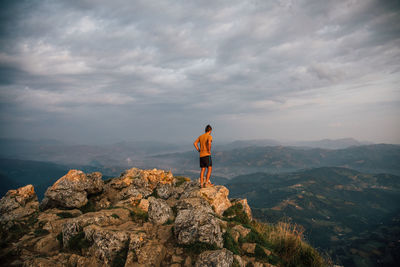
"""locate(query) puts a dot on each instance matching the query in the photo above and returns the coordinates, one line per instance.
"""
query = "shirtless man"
(205, 141)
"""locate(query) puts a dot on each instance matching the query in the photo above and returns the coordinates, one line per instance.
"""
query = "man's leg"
(202, 176)
(209, 170)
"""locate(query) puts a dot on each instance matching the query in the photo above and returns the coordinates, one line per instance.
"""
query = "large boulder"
(216, 258)
(159, 211)
(106, 243)
(71, 190)
(217, 196)
(195, 222)
(151, 254)
(164, 191)
(18, 205)
(110, 217)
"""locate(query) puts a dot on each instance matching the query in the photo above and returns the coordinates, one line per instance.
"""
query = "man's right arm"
(196, 144)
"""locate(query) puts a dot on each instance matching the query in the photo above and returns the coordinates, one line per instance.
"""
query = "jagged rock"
(239, 260)
(217, 258)
(103, 203)
(142, 179)
(239, 230)
(245, 205)
(100, 218)
(63, 259)
(249, 247)
(144, 205)
(151, 254)
(164, 191)
(48, 245)
(267, 251)
(217, 196)
(50, 221)
(136, 240)
(17, 205)
(196, 223)
(106, 243)
(71, 190)
(190, 189)
(159, 211)
(164, 232)
(188, 262)
(194, 203)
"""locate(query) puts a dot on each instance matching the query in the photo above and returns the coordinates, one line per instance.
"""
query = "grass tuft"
(138, 215)
(180, 180)
(236, 213)
(115, 216)
(288, 242)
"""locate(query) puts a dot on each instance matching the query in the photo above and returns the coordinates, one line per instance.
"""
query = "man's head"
(208, 128)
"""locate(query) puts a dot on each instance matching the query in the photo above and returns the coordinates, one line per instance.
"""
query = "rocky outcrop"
(217, 196)
(196, 222)
(159, 211)
(71, 190)
(106, 242)
(17, 205)
(217, 258)
(141, 218)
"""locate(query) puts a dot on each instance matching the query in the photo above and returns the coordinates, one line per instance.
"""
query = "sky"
(105, 71)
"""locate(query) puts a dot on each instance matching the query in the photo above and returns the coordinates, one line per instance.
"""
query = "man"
(205, 141)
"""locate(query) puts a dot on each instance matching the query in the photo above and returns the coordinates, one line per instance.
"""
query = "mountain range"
(379, 158)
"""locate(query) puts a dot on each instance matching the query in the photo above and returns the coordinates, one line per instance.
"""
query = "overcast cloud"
(104, 71)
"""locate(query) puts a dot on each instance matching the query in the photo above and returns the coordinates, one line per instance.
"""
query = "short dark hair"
(208, 128)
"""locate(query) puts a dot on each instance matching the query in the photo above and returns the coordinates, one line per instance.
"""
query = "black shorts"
(205, 162)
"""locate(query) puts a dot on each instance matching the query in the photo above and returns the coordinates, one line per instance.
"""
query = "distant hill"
(330, 144)
(378, 158)
(339, 208)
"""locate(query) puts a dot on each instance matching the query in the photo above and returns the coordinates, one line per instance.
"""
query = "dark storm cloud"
(262, 64)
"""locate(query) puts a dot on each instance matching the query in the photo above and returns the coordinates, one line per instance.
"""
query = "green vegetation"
(236, 213)
(180, 180)
(284, 240)
(169, 221)
(60, 239)
(138, 215)
(235, 263)
(89, 207)
(115, 216)
(230, 243)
